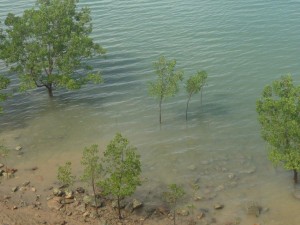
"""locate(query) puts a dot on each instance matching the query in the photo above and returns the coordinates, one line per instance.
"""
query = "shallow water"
(242, 45)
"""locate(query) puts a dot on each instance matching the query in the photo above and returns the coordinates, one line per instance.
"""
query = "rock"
(33, 189)
(253, 208)
(218, 206)
(182, 212)
(136, 204)
(198, 198)
(97, 204)
(200, 215)
(68, 201)
(81, 208)
(231, 176)
(87, 199)
(249, 170)
(220, 188)
(8, 175)
(1, 165)
(26, 183)
(57, 192)
(6, 197)
(54, 203)
(114, 204)
(14, 189)
(80, 190)
(23, 189)
(18, 148)
(162, 210)
(86, 214)
(15, 207)
(192, 167)
(1, 172)
(69, 194)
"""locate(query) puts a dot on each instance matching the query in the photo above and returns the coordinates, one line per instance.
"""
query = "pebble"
(218, 206)
(54, 203)
(136, 204)
(14, 189)
(81, 208)
(26, 183)
(1, 165)
(69, 195)
(231, 176)
(33, 189)
(18, 148)
(183, 212)
(192, 167)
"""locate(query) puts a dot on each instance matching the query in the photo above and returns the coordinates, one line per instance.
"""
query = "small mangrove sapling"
(172, 196)
(166, 84)
(64, 175)
(92, 171)
(194, 85)
(123, 168)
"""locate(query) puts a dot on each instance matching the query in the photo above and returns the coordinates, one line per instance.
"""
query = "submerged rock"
(253, 208)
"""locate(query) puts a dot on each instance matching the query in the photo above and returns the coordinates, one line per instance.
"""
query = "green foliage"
(123, 167)
(166, 84)
(64, 175)
(92, 168)
(172, 196)
(278, 111)
(91, 163)
(4, 82)
(48, 46)
(194, 85)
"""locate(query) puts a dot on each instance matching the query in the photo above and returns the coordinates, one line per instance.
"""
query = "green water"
(243, 45)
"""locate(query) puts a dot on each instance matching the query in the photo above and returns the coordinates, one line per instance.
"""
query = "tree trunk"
(50, 90)
(295, 176)
(160, 110)
(187, 106)
(95, 197)
(119, 208)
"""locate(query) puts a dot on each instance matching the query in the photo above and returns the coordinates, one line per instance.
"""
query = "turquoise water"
(243, 45)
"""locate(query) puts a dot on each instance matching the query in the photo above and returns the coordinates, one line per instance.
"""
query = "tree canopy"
(166, 84)
(278, 110)
(48, 46)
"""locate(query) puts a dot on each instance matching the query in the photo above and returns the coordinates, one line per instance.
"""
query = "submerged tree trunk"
(295, 176)
(50, 90)
(187, 106)
(160, 101)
